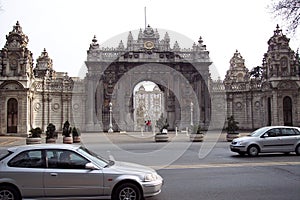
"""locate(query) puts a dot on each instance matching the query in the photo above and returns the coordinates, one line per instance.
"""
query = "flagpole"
(145, 11)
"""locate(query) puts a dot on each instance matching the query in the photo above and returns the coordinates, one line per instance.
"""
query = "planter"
(67, 140)
(231, 136)
(196, 137)
(161, 137)
(33, 140)
(76, 139)
(51, 140)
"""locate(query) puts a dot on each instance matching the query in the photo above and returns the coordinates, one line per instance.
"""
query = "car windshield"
(4, 153)
(100, 161)
(258, 132)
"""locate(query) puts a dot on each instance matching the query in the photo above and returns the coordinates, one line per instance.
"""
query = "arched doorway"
(12, 115)
(287, 111)
(148, 105)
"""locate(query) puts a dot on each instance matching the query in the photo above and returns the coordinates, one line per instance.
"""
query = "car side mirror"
(91, 166)
(265, 135)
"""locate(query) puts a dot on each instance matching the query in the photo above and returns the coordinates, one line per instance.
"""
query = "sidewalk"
(117, 137)
(11, 141)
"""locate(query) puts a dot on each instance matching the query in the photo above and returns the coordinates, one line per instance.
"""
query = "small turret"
(16, 59)
(44, 66)
(237, 71)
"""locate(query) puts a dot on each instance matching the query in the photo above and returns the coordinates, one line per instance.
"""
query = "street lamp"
(192, 114)
(110, 130)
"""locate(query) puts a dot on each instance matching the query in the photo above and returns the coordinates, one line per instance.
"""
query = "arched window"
(12, 115)
(287, 111)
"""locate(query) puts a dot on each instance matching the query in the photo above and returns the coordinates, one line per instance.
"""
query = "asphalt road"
(207, 170)
(231, 183)
(210, 170)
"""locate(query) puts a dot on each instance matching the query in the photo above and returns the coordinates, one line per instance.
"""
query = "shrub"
(35, 132)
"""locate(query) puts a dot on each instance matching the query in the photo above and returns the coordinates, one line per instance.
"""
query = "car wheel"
(298, 150)
(9, 193)
(127, 191)
(253, 150)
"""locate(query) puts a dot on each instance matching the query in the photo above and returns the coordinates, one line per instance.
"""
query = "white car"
(269, 139)
(71, 172)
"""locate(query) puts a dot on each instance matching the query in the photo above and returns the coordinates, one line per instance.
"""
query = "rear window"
(4, 153)
(287, 132)
(28, 159)
(297, 132)
(290, 131)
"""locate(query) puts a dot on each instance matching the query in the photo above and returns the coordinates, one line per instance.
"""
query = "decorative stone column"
(110, 130)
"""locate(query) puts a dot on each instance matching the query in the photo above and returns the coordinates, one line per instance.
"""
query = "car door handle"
(53, 174)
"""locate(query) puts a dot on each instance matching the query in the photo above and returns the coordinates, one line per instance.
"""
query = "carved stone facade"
(270, 97)
(34, 96)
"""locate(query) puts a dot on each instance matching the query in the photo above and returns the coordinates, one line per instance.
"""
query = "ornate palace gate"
(182, 75)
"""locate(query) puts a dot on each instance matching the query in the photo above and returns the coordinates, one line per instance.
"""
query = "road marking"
(8, 142)
(223, 165)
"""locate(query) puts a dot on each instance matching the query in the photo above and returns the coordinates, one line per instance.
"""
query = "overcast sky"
(66, 27)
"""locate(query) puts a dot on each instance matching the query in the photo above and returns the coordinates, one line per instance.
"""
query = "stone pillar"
(92, 122)
(297, 110)
(207, 107)
(274, 108)
(90, 105)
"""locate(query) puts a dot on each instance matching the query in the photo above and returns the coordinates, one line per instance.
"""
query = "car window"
(274, 132)
(65, 159)
(28, 159)
(287, 132)
(296, 131)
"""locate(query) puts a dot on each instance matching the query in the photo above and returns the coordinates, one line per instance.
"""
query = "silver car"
(269, 139)
(50, 171)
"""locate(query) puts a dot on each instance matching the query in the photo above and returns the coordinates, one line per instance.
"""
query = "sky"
(66, 27)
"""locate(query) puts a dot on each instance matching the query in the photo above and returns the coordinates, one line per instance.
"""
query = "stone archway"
(12, 115)
(182, 74)
(178, 88)
(287, 111)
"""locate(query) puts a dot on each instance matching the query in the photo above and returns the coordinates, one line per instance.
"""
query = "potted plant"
(76, 135)
(34, 136)
(232, 127)
(66, 132)
(162, 124)
(51, 135)
(197, 134)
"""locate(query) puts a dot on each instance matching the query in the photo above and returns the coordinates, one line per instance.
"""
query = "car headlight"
(150, 177)
(240, 143)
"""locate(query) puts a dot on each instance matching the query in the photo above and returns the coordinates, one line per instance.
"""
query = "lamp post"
(110, 130)
(192, 114)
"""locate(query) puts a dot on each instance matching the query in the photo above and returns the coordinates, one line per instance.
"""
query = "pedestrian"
(149, 125)
(146, 126)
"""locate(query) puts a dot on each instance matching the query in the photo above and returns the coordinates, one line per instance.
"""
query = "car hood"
(131, 167)
(244, 139)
